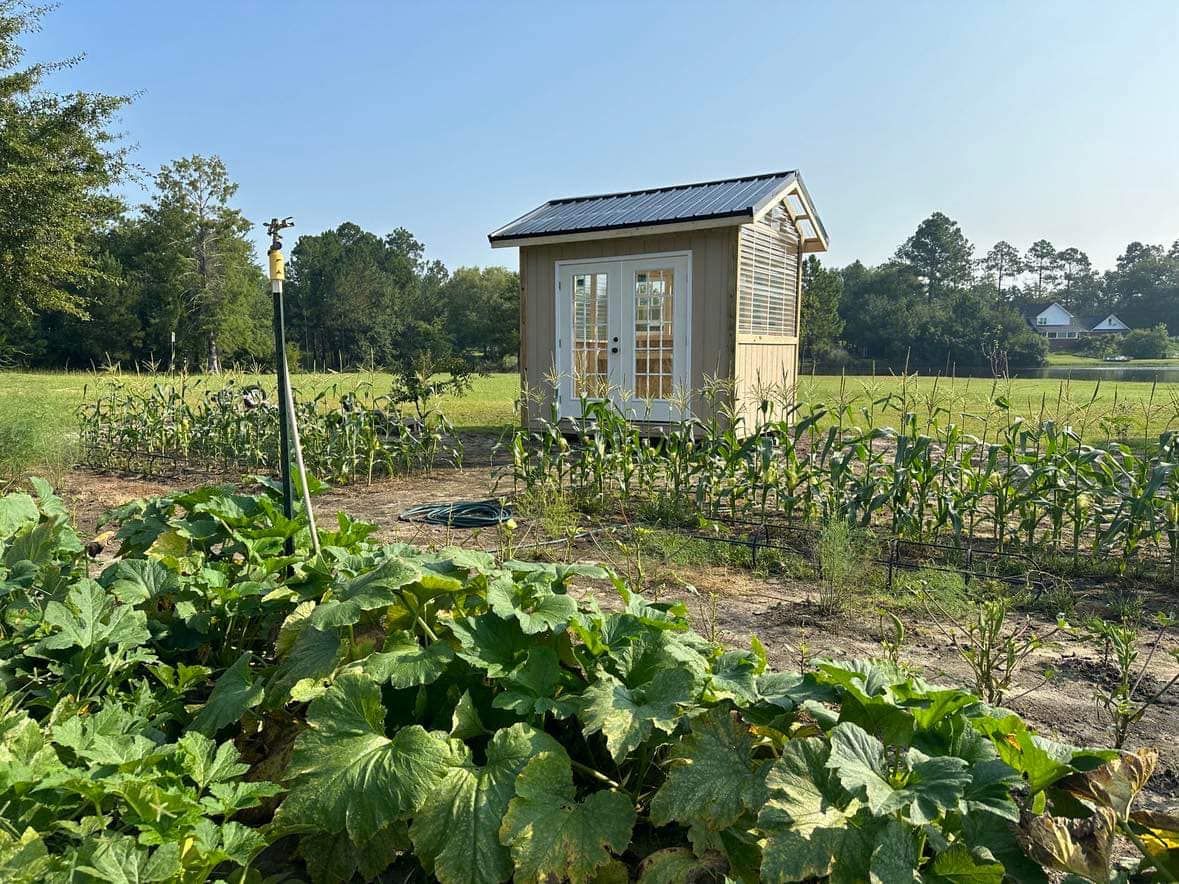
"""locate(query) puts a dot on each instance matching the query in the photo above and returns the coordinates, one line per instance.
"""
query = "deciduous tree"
(207, 262)
(58, 162)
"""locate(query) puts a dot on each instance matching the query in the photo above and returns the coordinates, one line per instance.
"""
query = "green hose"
(461, 514)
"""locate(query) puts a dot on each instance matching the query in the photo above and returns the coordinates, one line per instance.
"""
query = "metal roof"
(730, 198)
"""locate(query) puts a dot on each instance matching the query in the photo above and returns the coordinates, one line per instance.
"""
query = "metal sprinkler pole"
(288, 424)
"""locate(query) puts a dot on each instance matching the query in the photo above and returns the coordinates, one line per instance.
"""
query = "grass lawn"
(37, 426)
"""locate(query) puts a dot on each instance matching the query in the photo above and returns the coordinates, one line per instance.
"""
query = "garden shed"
(647, 296)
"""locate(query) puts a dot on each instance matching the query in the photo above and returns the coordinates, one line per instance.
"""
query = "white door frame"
(621, 270)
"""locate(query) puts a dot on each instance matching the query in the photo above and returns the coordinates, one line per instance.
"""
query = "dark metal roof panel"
(663, 205)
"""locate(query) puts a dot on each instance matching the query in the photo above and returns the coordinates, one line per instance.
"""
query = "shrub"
(842, 555)
(1153, 343)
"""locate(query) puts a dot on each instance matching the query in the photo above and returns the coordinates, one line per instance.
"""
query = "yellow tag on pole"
(277, 270)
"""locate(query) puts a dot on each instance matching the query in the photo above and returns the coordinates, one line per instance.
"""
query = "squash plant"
(205, 707)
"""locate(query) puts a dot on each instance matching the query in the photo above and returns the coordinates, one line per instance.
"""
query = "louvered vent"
(766, 283)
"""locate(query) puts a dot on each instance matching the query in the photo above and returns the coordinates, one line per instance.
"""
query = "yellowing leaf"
(555, 837)
(1082, 847)
(1116, 783)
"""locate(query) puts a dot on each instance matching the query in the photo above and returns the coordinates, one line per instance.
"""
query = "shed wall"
(714, 288)
(769, 297)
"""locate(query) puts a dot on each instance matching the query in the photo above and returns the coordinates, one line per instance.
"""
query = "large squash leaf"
(346, 775)
(626, 716)
(532, 603)
(90, 618)
(714, 777)
(378, 588)
(811, 820)
(553, 836)
(405, 663)
(456, 830)
(925, 787)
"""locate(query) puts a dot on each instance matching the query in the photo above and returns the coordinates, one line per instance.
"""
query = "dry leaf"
(1115, 783)
(1082, 847)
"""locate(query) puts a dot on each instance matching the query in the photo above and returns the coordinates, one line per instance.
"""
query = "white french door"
(623, 334)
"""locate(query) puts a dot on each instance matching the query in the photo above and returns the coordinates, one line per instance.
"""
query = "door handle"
(613, 349)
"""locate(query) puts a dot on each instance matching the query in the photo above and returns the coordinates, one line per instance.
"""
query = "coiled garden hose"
(460, 514)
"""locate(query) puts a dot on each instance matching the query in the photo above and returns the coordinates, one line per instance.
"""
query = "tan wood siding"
(765, 370)
(768, 311)
(714, 284)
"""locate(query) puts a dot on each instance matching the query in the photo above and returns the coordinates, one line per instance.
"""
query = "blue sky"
(1020, 120)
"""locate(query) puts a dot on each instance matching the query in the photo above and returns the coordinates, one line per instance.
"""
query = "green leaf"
(877, 715)
(533, 687)
(227, 799)
(134, 581)
(990, 788)
(24, 860)
(997, 837)
(235, 692)
(112, 735)
(714, 778)
(896, 855)
(292, 627)
(626, 716)
(370, 591)
(677, 865)
(17, 511)
(958, 865)
(91, 619)
(531, 603)
(208, 763)
(809, 818)
(456, 830)
(552, 835)
(121, 861)
(314, 655)
(929, 786)
(490, 643)
(858, 759)
(405, 663)
(333, 858)
(346, 774)
(1017, 746)
(734, 677)
(465, 722)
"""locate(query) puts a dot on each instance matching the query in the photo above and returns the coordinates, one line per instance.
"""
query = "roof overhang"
(811, 233)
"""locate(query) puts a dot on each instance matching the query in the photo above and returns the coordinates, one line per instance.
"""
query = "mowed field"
(38, 425)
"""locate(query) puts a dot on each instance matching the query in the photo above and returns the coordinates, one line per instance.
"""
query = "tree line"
(87, 280)
(934, 303)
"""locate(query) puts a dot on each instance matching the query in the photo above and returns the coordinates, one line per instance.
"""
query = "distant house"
(1058, 324)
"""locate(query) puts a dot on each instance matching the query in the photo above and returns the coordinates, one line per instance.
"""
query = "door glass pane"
(591, 332)
(654, 334)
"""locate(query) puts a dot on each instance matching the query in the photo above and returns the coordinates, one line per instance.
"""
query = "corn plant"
(348, 435)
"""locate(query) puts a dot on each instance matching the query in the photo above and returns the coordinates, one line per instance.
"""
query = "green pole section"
(274, 253)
